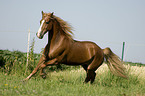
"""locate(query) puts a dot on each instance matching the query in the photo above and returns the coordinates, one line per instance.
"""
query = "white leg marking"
(39, 30)
(28, 77)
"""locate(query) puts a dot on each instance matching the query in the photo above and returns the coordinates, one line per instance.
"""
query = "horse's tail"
(114, 63)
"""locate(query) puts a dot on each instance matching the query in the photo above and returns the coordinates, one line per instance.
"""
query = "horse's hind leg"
(93, 75)
(85, 67)
(92, 68)
(89, 73)
(90, 76)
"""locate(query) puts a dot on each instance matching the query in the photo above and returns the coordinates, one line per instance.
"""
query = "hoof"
(44, 77)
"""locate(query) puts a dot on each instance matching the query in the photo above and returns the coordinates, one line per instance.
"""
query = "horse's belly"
(78, 57)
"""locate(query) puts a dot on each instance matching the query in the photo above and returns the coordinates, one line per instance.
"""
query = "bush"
(12, 60)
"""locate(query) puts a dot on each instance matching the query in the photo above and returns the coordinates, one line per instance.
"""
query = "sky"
(108, 23)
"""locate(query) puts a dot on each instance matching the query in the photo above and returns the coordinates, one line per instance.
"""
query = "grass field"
(69, 82)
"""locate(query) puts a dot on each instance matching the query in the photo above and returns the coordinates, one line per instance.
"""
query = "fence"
(126, 51)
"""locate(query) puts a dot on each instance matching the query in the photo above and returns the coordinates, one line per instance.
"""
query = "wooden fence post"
(28, 50)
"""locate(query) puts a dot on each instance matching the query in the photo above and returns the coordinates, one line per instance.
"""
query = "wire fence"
(131, 52)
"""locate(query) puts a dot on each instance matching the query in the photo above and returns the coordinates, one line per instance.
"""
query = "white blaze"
(39, 30)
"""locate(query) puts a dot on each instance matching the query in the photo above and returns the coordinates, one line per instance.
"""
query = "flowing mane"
(65, 26)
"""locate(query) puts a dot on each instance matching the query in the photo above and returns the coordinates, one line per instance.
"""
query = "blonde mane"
(65, 27)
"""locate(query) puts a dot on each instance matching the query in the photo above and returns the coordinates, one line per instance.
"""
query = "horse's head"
(45, 24)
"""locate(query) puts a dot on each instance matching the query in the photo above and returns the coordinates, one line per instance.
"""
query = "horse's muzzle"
(39, 35)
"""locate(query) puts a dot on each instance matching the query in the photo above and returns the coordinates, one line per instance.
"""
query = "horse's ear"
(42, 13)
(52, 14)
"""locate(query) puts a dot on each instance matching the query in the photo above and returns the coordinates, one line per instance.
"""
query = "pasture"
(69, 81)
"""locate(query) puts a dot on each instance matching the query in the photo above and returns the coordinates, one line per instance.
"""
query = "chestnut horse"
(63, 49)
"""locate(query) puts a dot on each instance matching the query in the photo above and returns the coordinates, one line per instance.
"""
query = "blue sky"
(106, 22)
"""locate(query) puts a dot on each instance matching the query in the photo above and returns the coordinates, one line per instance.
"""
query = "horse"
(63, 49)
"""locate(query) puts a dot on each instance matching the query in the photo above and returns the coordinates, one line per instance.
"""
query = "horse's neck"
(50, 34)
(57, 32)
(55, 36)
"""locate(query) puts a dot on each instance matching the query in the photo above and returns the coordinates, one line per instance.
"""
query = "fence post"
(123, 50)
(28, 50)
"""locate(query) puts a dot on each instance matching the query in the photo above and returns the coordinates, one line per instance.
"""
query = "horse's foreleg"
(50, 62)
(42, 73)
(33, 72)
(41, 61)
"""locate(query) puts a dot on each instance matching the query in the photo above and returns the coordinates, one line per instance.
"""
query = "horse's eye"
(47, 22)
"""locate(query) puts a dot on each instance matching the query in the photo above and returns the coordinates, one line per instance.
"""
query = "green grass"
(69, 82)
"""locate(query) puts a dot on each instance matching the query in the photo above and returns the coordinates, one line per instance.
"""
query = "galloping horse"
(63, 49)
